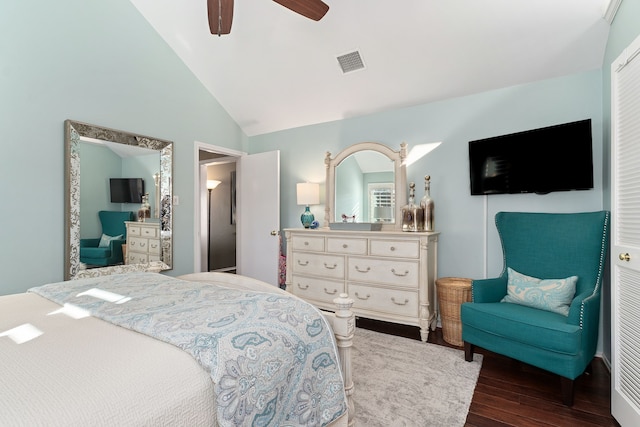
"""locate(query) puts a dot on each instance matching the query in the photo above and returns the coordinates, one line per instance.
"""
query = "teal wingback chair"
(543, 246)
(112, 225)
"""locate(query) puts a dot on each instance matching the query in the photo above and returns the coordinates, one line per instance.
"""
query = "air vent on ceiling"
(350, 62)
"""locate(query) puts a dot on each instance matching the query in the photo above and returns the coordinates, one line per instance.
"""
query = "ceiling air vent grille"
(350, 62)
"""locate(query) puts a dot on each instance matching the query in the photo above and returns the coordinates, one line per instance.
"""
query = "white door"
(258, 216)
(625, 236)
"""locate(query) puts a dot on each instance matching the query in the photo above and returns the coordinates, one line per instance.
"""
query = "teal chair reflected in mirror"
(544, 309)
(107, 249)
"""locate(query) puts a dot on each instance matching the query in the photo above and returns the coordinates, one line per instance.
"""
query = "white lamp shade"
(212, 183)
(308, 193)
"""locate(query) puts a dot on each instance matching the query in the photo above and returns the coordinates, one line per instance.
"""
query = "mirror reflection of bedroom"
(117, 180)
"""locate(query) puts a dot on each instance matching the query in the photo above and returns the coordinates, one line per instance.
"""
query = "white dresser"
(143, 242)
(390, 275)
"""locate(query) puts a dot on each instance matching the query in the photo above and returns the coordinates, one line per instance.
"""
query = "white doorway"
(257, 214)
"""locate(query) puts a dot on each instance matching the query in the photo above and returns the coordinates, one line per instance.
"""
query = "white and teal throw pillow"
(105, 240)
(545, 294)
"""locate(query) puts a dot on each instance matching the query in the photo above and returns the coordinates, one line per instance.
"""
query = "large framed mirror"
(101, 164)
(366, 182)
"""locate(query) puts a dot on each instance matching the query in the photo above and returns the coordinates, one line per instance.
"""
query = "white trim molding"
(611, 11)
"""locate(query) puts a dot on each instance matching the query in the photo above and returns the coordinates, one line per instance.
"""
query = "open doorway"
(217, 223)
(257, 213)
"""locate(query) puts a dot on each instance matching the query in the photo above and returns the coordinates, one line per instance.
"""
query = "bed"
(142, 348)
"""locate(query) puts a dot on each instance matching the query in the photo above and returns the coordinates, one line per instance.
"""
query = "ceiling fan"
(221, 12)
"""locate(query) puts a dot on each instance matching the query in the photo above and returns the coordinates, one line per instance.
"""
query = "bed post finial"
(343, 328)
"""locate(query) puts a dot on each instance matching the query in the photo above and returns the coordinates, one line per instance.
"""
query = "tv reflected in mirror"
(126, 190)
(554, 158)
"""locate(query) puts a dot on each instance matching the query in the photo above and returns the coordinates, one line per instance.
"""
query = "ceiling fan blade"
(312, 9)
(220, 16)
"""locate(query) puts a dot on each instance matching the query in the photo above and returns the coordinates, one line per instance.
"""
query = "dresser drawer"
(154, 246)
(347, 246)
(308, 243)
(151, 232)
(390, 272)
(395, 248)
(316, 289)
(137, 258)
(138, 244)
(391, 301)
(319, 265)
(134, 230)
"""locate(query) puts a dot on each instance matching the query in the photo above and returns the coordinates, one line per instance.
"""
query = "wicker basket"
(452, 291)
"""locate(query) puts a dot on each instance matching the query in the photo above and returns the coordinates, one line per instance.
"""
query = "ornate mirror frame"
(73, 132)
(400, 174)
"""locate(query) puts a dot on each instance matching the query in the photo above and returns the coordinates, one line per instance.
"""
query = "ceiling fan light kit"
(220, 12)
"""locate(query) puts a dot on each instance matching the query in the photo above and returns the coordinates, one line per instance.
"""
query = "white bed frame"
(343, 323)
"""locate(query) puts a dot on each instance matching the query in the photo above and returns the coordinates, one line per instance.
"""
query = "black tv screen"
(554, 158)
(126, 190)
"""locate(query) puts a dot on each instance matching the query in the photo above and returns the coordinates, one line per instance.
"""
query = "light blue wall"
(462, 219)
(94, 187)
(624, 29)
(98, 62)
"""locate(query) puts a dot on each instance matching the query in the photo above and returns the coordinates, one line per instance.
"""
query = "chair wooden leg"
(589, 369)
(468, 351)
(567, 390)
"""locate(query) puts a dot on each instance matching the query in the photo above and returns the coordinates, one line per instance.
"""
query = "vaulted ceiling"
(278, 70)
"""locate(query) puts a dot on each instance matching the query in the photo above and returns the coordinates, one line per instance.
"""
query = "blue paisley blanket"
(271, 357)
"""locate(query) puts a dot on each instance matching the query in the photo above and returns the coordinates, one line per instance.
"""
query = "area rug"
(403, 382)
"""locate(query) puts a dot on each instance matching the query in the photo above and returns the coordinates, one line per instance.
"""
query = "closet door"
(625, 236)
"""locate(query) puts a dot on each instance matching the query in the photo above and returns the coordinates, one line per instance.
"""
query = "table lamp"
(307, 194)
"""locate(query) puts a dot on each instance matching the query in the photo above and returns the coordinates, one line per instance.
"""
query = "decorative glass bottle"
(145, 209)
(427, 205)
(412, 214)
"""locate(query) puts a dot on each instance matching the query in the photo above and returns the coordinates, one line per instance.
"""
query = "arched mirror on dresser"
(366, 183)
(108, 170)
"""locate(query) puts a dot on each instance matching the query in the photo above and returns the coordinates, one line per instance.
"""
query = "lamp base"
(306, 218)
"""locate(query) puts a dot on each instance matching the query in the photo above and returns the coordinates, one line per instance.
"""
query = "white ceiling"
(278, 70)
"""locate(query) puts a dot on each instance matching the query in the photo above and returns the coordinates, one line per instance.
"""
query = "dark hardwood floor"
(511, 393)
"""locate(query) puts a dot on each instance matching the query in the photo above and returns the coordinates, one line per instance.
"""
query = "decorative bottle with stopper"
(412, 214)
(427, 205)
(145, 209)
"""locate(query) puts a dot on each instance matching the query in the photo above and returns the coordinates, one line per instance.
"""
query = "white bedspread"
(87, 372)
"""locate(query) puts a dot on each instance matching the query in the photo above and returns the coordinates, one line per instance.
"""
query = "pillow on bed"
(545, 294)
(105, 240)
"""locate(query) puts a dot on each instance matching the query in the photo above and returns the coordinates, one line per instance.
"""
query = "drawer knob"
(399, 303)
(303, 263)
(393, 270)
(306, 243)
(392, 248)
(305, 288)
(335, 291)
(330, 267)
(360, 270)
(345, 246)
(365, 298)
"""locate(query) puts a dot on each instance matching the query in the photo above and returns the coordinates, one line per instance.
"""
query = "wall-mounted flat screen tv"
(554, 158)
(126, 190)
